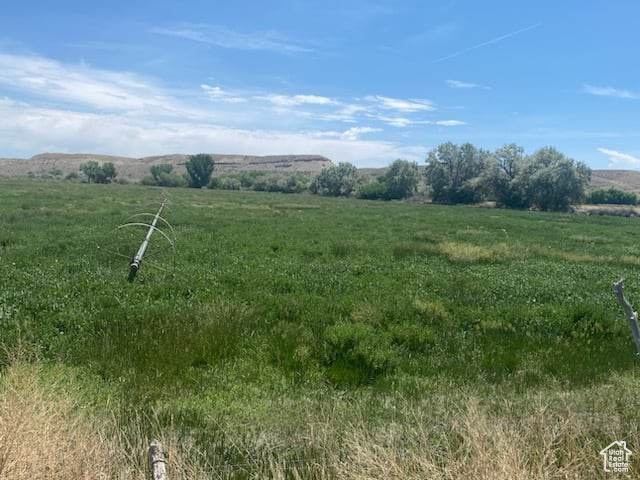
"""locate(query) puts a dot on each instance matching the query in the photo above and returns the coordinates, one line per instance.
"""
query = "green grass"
(276, 304)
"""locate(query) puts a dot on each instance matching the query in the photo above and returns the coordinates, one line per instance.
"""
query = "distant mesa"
(136, 168)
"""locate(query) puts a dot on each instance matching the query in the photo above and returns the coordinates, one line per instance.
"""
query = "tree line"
(545, 180)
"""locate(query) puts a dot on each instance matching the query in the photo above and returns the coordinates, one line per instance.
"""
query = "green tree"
(108, 172)
(96, 173)
(158, 170)
(401, 180)
(164, 176)
(554, 180)
(335, 180)
(91, 170)
(454, 172)
(503, 179)
(199, 170)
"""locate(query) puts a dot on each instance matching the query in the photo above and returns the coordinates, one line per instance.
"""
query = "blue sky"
(365, 82)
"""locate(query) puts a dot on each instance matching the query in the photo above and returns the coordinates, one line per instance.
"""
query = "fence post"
(157, 462)
(632, 316)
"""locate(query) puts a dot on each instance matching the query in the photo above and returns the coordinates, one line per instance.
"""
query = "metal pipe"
(134, 266)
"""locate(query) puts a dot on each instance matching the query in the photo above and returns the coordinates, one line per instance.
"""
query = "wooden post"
(157, 462)
(632, 316)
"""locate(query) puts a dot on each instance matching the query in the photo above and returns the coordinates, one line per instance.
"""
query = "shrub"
(375, 190)
(148, 181)
(97, 173)
(400, 180)
(612, 196)
(293, 183)
(229, 183)
(335, 181)
(554, 180)
(163, 175)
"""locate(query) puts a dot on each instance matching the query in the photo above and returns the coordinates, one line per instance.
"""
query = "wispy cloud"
(26, 129)
(80, 84)
(295, 100)
(354, 133)
(619, 159)
(220, 36)
(400, 105)
(465, 85)
(215, 92)
(71, 108)
(609, 92)
(487, 43)
(402, 122)
(449, 123)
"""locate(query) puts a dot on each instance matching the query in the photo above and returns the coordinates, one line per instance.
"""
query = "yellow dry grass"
(44, 434)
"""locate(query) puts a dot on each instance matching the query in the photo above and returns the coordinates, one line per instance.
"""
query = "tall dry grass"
(46, 434)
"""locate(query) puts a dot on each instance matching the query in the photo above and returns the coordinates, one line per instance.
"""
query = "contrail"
(488, 42)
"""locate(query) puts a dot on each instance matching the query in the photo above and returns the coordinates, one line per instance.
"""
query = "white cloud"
(400, 105)
(79, 84)
(465, 85)
(26, 130)
(217, 93)
(220, 36)
(402, 122)
(355, 132)
(449, 123)
(295, 100)
(619, 159)
(73, 108)
(609, 92)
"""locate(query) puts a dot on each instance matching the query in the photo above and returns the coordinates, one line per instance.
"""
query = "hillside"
(628, 180)
(136, 168)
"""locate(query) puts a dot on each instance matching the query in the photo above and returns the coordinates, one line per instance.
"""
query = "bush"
(375, 190)
(97, 173)
(294, 183)
(400, 180)
(612, 196)
(148, 181)
(228, 183)
(554, 181)
(163, 176)
(335, 181)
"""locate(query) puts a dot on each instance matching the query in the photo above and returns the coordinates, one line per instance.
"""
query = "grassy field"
(293, 336)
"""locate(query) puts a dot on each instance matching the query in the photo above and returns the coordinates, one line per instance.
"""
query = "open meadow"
(296, 336)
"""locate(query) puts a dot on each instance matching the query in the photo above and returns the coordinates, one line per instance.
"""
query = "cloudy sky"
(359, 81)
